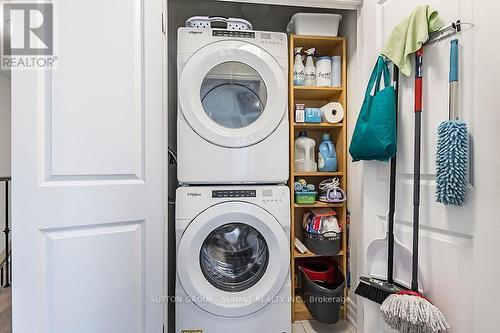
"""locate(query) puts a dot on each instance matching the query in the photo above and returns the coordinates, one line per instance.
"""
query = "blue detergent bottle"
(327, 156)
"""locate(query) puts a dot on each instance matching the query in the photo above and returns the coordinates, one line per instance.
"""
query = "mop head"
(451, 163)
(413, 314)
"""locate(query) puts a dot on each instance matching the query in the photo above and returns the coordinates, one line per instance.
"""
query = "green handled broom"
(409, 311)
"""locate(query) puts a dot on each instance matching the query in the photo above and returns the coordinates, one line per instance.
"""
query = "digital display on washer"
(233, 33)
(234, 194)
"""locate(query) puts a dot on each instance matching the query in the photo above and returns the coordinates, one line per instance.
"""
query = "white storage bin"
(315, 24)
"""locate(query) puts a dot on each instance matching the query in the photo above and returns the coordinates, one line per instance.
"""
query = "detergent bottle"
(327, 156)
(299, 73)
(310, 76)
(304, 153)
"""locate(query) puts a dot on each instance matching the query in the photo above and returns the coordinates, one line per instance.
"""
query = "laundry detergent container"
(323, 293)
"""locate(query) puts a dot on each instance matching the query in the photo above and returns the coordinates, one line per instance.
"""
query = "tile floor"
(311, 326)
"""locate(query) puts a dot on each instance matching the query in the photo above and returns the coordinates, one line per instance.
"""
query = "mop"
(452, 148)
(409, 311)
(374, 289)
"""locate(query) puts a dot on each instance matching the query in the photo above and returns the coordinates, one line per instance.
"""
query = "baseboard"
(352, 314)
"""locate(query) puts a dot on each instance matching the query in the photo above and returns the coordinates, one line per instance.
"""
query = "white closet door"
(87, 174)
(447, 233)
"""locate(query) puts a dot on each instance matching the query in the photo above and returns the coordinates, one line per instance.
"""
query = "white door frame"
(326, 4)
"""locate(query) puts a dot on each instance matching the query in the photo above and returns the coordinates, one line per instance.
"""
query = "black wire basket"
(327, 244)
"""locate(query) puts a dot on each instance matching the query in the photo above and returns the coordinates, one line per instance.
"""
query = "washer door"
(232, 93)
(233, 259)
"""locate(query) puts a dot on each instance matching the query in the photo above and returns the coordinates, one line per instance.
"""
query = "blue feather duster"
(452, 162)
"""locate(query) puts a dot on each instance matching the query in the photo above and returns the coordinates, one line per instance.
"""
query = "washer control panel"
(234, 194)
(270, 195)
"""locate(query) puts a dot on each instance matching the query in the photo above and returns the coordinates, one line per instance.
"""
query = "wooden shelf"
(317, 97)
(300, 310)
(319, 204)
(322, 126)
(322, 93)
(309, 254)
(319, 174)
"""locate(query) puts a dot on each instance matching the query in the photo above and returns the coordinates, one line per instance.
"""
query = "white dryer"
(232, 122)
(233, 259)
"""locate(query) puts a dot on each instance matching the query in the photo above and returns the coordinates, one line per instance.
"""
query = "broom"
(409, 311)
(377, 290)
(452, 148)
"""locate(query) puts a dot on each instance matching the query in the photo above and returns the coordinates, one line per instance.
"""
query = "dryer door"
(233, 259)
(232, 93)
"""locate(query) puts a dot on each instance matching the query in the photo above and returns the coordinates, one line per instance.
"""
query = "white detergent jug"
(304, 153)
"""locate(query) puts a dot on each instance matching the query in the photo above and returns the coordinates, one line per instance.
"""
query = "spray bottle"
(310, 79)
(299, 73)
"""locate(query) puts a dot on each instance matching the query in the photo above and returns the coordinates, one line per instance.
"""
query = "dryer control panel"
(233, 33)
(264, 38)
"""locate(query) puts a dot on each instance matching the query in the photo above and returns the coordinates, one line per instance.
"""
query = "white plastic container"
(324, 71)
(304, 154)
(315, 24)
(336, 71)
(207, 22)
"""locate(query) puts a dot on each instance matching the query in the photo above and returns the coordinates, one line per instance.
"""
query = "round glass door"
(233, 94)
(234, 257)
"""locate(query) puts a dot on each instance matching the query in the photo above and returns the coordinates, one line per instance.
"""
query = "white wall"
(4, 125)
(487, 166)
(4, 146)
(479, 261)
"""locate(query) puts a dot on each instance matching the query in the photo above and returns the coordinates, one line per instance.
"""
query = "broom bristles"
(451, 163)
(371, 293)
(413, 314)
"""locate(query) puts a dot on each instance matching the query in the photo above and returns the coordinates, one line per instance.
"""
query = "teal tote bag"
(374, 136)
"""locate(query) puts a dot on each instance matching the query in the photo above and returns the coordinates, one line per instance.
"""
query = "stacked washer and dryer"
(233, 208)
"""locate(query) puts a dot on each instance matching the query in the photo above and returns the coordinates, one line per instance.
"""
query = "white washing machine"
(233, 259)
(232, 122)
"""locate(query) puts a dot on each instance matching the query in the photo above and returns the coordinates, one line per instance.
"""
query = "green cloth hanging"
(409, 35)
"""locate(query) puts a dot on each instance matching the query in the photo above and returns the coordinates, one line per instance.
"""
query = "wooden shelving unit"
(317, 97)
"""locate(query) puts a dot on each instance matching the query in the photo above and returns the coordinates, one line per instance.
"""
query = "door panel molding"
(103, 151)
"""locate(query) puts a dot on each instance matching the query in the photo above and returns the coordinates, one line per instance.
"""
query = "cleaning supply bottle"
(304, 153)
(327, 156)
(310, 77)
(299, 73)
(324, 71)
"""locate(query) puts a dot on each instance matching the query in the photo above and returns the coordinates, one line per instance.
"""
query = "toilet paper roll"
(332, 112)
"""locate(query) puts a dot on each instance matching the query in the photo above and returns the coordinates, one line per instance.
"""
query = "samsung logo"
(193, 194)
